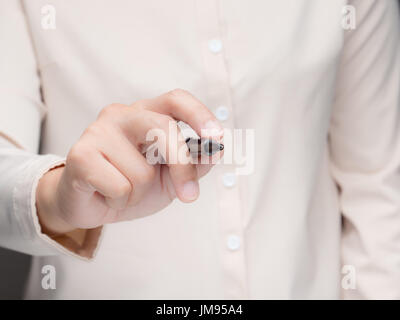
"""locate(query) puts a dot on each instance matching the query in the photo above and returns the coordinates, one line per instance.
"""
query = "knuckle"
(93, 130)
(122, 190)
(140, 104)
(110, 110)
(177, 94)
(78, 155)
(138, 115)
(82, 184)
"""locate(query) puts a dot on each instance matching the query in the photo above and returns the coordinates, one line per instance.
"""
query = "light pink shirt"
(324, 106)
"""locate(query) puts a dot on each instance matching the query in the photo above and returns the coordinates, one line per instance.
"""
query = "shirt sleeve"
(365, 149)
(21, 114)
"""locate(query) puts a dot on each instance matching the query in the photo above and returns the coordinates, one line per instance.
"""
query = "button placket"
(219, 94)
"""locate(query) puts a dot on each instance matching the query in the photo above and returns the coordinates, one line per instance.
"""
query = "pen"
(198, 147)
(203, 146)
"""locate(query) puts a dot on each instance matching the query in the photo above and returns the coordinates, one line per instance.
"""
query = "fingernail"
(213, 129)
(190, 190)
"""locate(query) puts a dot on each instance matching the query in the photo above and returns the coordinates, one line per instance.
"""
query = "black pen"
(203, 146)
(197, 147)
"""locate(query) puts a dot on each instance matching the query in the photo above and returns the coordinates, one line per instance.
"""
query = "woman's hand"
(107, 179)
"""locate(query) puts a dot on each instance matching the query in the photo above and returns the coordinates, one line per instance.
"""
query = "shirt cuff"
(79, 243)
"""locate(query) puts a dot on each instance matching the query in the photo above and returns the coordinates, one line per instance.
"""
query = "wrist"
(46, 204)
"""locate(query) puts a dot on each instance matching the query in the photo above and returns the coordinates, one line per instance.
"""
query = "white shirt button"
(222, 113)
(229, 180)
(233, 242)
(215, 45)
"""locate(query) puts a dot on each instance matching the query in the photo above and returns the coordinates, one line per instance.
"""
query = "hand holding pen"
(107, 179)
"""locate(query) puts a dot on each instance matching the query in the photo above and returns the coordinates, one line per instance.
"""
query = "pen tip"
(221, 147)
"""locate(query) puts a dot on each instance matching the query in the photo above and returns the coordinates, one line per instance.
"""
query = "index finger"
(181, 105)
